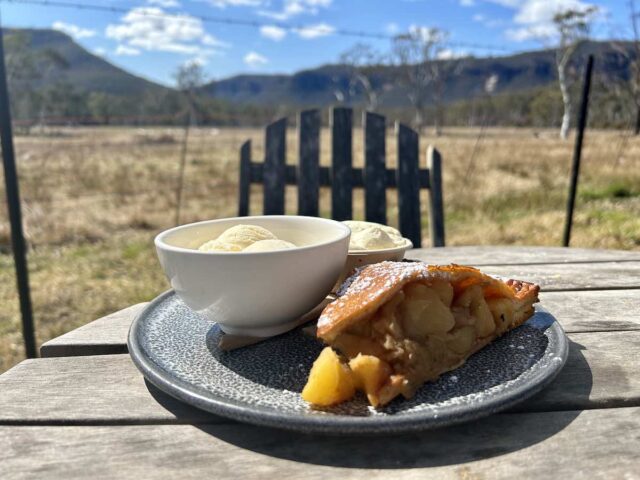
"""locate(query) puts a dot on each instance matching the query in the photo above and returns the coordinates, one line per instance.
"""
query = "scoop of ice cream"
(269, 245)
(244, 235)
(373, 236)
(219, 246)
(247, 238)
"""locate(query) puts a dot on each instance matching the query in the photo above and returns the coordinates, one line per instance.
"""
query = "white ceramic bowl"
(360, 258)
(255, 293)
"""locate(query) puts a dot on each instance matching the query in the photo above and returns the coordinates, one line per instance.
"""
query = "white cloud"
(291, 8)
(73, 30)
(427, 33)
(236, 3)
(467, 3)
(487, 22)
(273, 32)
(391, 28)
(197, 60)
(124, 50)
(509, 3)
(534, 18)
(449, 54)
(164, 3)
(151, 29)
(315, 31)
(210, 40)
(99, 51)
(255, 60)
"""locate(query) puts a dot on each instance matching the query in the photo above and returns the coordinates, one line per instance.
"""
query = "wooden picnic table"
(84, 410)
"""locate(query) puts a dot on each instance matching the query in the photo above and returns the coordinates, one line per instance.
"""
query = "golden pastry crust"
(372, 286)
(398, 325)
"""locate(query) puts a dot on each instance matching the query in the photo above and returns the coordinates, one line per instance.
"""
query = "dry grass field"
(93, 198)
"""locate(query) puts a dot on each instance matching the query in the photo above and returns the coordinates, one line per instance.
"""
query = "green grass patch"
(133, 250)
(510, 204)
(611, 191)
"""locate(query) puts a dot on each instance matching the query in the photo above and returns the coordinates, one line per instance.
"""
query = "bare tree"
(572, 26)
(361, 61)
(189, 77)
(419, 54)
(632, 57)
(26, 67)
(443, 70)
(635, 63)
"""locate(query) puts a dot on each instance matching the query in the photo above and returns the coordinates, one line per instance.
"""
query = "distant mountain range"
(315, 87)
(85, 71)
(515, 73)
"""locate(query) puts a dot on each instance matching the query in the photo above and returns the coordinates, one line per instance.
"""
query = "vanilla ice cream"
(373, 236)
(269, 245)
(245, 235)
(219, 246)
(245, 238)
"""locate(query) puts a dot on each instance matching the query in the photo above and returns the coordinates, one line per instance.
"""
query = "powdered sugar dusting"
(182, 349)
(368, 283)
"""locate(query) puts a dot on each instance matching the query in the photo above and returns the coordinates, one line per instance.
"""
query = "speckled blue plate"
(177, 351)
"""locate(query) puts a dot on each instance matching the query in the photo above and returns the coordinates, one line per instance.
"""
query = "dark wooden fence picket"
(342, 162)
(375, 169)
(244, 186)
(408, 178)
(436, 204)
(308, 173)
(274, 170)
(408, 185)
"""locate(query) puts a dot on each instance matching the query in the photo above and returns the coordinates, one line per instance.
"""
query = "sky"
(152, 38)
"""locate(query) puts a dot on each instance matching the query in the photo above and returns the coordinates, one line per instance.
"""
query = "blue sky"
(153, 37)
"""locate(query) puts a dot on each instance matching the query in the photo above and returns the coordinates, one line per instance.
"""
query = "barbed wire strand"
(144, 11)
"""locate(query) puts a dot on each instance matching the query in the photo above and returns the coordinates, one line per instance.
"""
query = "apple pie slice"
(397, 325)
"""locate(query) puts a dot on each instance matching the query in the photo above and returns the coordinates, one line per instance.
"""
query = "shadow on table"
(489, 437)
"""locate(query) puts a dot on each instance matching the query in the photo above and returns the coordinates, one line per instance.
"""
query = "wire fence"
(226, 20)
(67, 166)
(105, 191)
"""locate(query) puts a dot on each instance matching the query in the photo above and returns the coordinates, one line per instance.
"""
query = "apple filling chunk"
(424, 330)
(424, 313)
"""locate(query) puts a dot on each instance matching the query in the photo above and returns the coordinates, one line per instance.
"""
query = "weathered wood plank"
(601, 372)
(591, 444)
(594, 310)
(409, 217)
(581, 311)
(308, 162)
(94, 389)
(519, 255)
(274, 167)
(577, 276)
(436, 202)
(357, 178)
(104, 336)
(342, 161)
(375, 170)
(598, 374)
(244, 182)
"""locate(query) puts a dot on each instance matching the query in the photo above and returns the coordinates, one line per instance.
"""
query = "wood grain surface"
(96, 417)
(594, 444)
(601, 372)
(583, 311)
(519, 255)
(100, 337)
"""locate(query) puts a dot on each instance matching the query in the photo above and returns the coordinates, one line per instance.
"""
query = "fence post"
(436, 202)
(244, 183)
(15, 215)
(577, 151)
